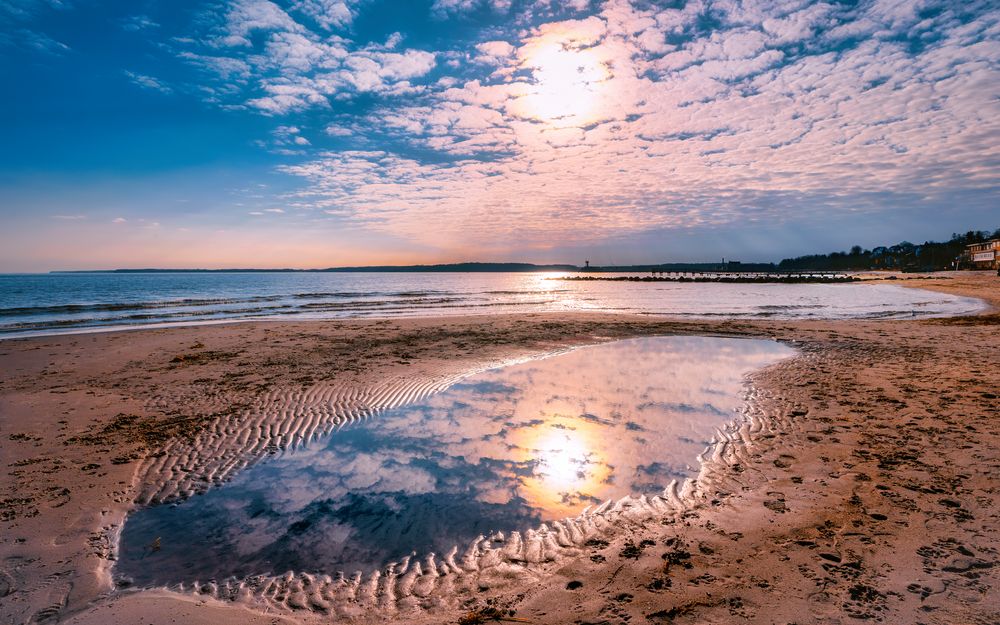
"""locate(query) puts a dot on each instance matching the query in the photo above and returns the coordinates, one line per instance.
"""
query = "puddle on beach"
(503, 450)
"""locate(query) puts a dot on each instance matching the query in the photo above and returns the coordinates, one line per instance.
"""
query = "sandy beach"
(859, 485)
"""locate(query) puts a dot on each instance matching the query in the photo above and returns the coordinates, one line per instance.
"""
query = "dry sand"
(861, 483)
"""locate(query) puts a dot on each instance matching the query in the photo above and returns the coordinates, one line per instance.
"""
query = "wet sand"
(860, 484)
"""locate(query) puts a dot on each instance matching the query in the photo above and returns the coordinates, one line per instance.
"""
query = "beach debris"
(632, 550)
(490, 613)
(677, 556)
(863, 593)
(684, 609)
(777, 504)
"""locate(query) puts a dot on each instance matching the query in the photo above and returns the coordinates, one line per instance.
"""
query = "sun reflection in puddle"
(567, 466)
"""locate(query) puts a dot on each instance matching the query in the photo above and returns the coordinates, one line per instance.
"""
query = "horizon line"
(480, 265)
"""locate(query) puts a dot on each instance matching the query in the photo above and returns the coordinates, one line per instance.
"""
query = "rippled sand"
(860, 483)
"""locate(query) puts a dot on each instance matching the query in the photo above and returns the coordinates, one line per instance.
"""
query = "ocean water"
(54, 303)
(504, 450)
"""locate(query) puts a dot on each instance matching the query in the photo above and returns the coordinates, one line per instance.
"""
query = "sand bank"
(859, 484)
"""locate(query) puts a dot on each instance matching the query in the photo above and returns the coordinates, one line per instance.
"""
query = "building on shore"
(984, 255)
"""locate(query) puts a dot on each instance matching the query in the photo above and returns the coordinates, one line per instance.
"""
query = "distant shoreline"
(459, 268)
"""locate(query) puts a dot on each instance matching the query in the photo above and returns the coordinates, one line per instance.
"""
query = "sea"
(56, 303)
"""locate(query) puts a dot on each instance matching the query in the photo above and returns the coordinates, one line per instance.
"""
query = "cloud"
(229, 69)
(28, 9)
(493, 52)
(246, 17)
(444, 7)
(529, 8)
(328, 14)
(272, 63)
(293, 53)
(148, 82)
(363, 71)
(69, 217)
(19, 25)
(336, 130)
(565, 123)
(287, 140)
(399, 66)
(641, 119)
(32, 40)
(118, 220)
(284, 96)
(136, 23)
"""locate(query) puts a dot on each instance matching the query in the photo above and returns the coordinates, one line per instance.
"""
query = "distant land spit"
(463, 267)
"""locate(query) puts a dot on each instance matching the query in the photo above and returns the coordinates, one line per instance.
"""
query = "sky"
(315, 133)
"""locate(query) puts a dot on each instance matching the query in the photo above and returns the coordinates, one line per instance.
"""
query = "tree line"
(929, 256)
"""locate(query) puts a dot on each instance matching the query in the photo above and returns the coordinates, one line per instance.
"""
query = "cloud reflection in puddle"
(504, 450)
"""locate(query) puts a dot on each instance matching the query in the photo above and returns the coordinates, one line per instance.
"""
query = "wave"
(57, 309)
(399, 307)
(789, 307)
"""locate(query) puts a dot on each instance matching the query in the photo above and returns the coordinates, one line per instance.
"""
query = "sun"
(566, 84)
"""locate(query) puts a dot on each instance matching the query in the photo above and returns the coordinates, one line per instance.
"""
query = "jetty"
(725, 277)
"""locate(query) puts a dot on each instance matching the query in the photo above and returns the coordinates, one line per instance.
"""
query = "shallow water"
(503, 450)
(54, 303)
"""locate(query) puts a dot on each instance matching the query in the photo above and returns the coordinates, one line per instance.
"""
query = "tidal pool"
(503, 450)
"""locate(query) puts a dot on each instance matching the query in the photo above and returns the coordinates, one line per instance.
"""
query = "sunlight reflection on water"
(60, 303)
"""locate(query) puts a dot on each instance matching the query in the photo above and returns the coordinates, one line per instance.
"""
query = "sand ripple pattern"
(279, 420)
(442, 581)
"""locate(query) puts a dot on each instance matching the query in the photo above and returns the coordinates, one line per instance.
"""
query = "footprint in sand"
(6, 584)
(823, 605)
(784, 461)
(777, 503)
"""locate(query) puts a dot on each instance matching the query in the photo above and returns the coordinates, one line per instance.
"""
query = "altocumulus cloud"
(288, 60)
(635, 119)
(545, 123)
(148, 82)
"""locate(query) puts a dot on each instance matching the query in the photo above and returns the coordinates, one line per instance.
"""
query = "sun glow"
(568, 467)
(562, 460)
(567, 84)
